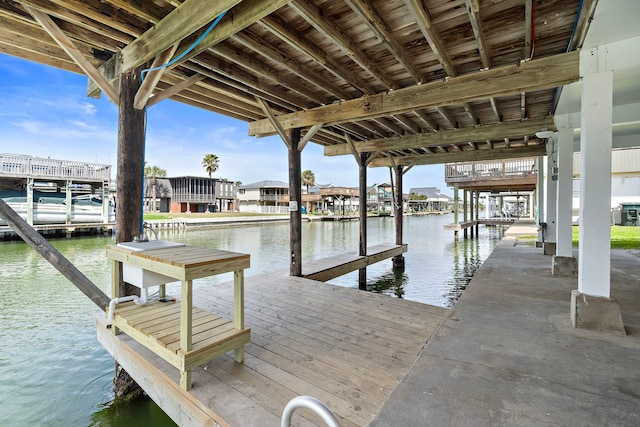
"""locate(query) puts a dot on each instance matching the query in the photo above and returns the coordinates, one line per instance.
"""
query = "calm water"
(53, 372)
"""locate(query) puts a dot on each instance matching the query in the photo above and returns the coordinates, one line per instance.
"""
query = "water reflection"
(391, 283)
(48, 322)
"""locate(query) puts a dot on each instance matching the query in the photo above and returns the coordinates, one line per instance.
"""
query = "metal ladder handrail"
(311, 403)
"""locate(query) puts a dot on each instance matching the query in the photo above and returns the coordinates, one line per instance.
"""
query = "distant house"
(198, 194)
(264, 197)
(428, 199)
(163, 192)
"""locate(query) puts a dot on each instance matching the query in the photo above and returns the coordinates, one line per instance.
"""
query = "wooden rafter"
(255, 44)
(68, 46)
(308, 135)
(528, 29)
(300, 43)
(187, 18)
(422, 18)
(473, 10)
(533, 75)
(274, 121)
(447, 137)
(447, 117)
(173, 90)
(464, 156)
(240, 17)
(366, 10)
(153, 77)
(313, 15)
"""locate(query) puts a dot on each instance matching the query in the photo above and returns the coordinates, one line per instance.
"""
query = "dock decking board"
(346, 347)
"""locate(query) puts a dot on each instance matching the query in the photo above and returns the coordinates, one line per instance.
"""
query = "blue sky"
(44, 112)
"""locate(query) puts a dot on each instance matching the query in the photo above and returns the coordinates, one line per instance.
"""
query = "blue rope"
(189, 49)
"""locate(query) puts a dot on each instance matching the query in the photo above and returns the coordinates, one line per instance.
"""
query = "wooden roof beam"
(448, 137)
(298, 42)
(423, 19)
(262, 69)
(473, 10)
(253, 43)
(68, 46)
(528, 29)
(274, 120)
(464, 156)
(367, 12)
(423, 116)
(470, 113)
(152, 78)
(237, 19)
(447, 117)
(186, 19)
(313, 15)
(175, 89)
(244, 81)
(544, 73)
(79, 14)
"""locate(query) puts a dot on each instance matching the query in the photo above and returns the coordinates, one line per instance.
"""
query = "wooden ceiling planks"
(305, 55)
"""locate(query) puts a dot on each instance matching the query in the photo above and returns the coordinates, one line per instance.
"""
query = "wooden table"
(183, 336)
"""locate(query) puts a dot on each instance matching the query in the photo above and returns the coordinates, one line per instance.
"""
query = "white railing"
(264, 209)
(12, 165)
(455, 172)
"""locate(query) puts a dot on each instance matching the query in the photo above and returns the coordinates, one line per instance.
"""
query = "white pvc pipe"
(311, 403)
(139, 300)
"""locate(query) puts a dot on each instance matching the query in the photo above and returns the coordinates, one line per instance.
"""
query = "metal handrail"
(311, 403)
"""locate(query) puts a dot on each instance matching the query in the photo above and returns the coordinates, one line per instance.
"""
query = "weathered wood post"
(398, 260)
(465, 217)
(295, 199)
(362, 185)
(131, 136)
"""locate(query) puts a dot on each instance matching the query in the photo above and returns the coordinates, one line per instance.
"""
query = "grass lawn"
(626, 237)
(151, 216)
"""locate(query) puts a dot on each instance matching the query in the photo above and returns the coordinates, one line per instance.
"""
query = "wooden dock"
(67, 230)
(348, 348)
(485, 221)
(331, 267)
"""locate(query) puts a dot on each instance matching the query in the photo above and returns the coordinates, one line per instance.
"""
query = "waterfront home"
(264, 197)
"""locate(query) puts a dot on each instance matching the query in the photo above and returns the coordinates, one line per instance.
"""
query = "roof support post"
(295, 199)
(592, 306)
(362, 185)
(564, 264)
(398, 260)
(540, 219)
(549, 246)
(131, 136)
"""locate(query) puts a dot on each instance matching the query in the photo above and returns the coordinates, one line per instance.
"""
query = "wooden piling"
(295, 200)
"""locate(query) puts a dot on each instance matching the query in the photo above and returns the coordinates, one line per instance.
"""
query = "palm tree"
(308, 178)
(154, 172)
(210, 163)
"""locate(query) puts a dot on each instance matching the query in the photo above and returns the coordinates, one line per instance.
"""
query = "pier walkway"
(346, 347)
(507, 354)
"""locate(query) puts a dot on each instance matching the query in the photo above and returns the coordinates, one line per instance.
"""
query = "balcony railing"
(491, 169)
(25, 166)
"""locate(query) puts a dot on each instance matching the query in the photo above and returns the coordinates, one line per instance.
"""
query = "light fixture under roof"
(544, 134)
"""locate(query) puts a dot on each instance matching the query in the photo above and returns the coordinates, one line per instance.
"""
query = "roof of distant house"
(429, 192)
(266, 184)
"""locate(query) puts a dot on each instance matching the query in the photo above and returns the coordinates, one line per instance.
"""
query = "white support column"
(30, 201)
(549, 246)
(68, 201)
(540, 198)
(564, 264)
(595, 177)
(591, 304)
